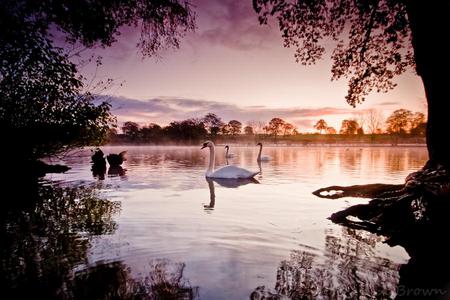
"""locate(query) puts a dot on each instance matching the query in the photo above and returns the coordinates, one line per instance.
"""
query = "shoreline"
(366, 145)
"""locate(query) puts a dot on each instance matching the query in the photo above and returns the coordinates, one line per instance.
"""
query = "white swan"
(228, 155)
(227, 172)
(264, 157)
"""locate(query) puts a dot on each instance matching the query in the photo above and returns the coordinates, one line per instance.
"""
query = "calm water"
(158, 226)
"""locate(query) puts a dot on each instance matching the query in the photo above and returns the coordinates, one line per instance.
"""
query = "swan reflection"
(228, 183)
(212, 195)
(115, 171)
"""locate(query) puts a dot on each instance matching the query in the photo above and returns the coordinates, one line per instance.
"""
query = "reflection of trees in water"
(350, 269)
(114, 281)
(350, 158)
(165, 156)
(46, 236)
(44, 240)
(165, 281)
(401, 159)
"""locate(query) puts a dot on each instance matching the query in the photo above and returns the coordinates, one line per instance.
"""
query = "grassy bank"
(300, 140)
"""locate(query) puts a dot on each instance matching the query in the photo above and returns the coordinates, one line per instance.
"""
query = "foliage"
(131, 129)
(404, 121)
(235, 127)
(289, 129)
(331, 130)
(193, 130)
(378, 46)
(190, 129)
(275, 126)
(225, 129)
(91, 23)
(321, 125)
(398, 121)
(45, 108)
(151, 132)
(349, 127)
(418, 124)
(248, 130)
(213, 123)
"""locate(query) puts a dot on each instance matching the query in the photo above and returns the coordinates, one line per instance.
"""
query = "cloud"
(303, 123)
(233, 24)
(163, 110)
(225, 23)
(389, 103)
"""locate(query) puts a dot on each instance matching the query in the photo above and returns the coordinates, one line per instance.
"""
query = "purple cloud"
(232, 24)
(164, 109)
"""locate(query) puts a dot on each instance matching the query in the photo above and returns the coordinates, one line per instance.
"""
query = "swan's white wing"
(232, 172)
(235, 182)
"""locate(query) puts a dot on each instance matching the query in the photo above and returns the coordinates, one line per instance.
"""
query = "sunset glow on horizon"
(237, 69)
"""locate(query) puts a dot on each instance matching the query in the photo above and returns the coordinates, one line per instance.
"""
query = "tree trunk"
(430, 32)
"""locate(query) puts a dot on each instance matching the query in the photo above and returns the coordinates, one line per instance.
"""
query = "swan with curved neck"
(264, 157)
(227, 172)
(228, 155)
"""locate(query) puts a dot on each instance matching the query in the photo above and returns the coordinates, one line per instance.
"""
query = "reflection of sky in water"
(238, 244)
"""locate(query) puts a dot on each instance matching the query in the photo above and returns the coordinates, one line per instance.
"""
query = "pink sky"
(239, 70)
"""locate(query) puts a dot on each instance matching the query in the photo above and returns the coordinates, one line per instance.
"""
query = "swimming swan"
(228, 172)
(116, 160)
(264, 157)
(228, 155)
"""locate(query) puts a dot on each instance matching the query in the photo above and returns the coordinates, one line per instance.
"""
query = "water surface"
(159, 220)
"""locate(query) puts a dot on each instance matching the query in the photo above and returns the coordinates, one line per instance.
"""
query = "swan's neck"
(226, 154)
(260, 150)
(212, 159)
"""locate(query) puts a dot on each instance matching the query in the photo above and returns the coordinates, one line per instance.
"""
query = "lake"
(158, 227)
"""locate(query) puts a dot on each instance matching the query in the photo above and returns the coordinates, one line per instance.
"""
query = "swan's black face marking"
(226, 147)
(204, 145)
(259, 144)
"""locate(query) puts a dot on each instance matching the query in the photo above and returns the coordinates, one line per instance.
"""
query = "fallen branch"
(362, 191)
(395, 209)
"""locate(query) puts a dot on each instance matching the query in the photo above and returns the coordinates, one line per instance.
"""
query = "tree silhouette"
(374, 120)
(248, 130)
(45, 108)
(376, 40)
(213, 123)
(275, 126)
(187, 130)
(321, 125)
(235, 127)
(288, 129)
(349, 127)
(418, 124)
(225, 129)
(331, 130)
(399, 121)
(131, 129)
(151, 133)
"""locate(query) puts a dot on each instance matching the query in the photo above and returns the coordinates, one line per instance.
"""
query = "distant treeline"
(401, 127)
